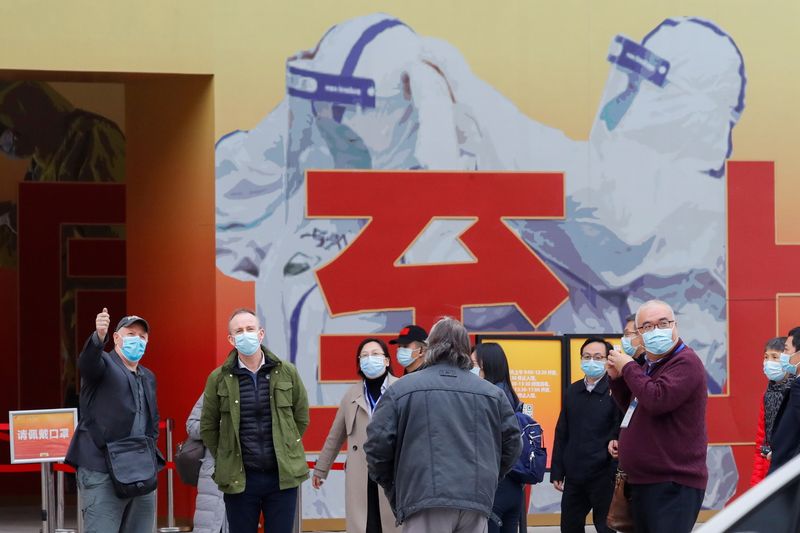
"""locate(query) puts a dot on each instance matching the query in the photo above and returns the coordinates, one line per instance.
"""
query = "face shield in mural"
(359, 128)
(631, 66)
(678, 94)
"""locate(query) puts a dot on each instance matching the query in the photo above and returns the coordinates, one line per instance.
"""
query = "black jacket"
(786, 431)
(441, 438)
(588, 421)
(107, 405)
(255, 419)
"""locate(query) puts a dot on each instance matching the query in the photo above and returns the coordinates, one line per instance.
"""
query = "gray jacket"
(209, 508)
(441, 438)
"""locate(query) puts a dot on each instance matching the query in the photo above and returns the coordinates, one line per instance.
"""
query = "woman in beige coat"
(366, 506)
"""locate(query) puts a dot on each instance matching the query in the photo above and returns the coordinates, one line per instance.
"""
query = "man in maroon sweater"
(663, 440)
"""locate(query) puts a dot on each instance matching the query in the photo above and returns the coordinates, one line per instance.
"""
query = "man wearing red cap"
(411, 343)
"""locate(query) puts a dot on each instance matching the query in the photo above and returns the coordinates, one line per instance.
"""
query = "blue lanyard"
(372, 403)
(652, 366)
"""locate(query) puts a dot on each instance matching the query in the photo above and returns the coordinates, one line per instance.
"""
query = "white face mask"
(476, 370)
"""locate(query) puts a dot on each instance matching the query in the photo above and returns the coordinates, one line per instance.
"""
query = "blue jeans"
(105, 512)
(262, 494)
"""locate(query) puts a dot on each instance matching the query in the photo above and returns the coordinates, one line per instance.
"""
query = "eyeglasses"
(661, 324)
(363, 355)
(596, 357)
(630, 334)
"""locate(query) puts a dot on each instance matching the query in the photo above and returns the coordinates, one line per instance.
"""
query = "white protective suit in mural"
(645, 196)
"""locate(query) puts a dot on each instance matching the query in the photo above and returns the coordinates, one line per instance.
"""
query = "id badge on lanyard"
(629, 413)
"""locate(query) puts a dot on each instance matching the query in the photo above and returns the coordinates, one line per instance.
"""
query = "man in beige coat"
(352, 418)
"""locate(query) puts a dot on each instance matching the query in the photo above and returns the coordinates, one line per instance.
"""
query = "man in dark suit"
(582, 466)
(785, 441)
(118, 400)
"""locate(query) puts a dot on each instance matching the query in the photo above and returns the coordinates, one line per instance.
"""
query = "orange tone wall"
(170, 225)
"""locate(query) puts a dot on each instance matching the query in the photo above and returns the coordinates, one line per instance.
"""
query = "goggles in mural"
(632, 64)
(359, 128)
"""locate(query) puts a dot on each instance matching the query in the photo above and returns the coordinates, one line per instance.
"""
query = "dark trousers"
(373, 508)
(665, 507)
(581, 496)
(507, 506)
(261, 494)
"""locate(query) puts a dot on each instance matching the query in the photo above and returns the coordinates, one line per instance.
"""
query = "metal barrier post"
(48, 495)
(170, 476)
(60, 500)
(298, 515)
(45, 504)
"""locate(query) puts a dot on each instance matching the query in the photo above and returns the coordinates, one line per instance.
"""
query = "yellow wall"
(535, 52)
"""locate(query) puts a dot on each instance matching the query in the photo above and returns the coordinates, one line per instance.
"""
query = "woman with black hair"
(491, 364)
(352, 418)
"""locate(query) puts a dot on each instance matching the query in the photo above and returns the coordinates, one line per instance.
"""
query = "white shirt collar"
(242, 365)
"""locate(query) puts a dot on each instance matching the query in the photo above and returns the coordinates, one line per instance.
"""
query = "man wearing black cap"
(411, 342)
(117, 401)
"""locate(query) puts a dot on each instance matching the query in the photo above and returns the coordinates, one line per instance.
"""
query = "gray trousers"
(104, 512)
(446, 521)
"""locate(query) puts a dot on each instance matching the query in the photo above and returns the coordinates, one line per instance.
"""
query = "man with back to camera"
(582, 467)
(663, 440)
(786, 434)
(441, 438)
(118, 400)
(410, 347)
(255, 411)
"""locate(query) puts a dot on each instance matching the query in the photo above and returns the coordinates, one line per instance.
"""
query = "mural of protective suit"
(373, 94)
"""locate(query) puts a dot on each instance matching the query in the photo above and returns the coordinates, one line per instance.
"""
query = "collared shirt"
(140, 420)
(254, 375)
(591, 385)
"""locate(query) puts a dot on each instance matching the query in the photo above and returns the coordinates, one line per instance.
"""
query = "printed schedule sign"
(536, 374)
(41, 436)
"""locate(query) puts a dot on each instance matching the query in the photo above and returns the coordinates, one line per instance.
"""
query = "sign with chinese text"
(41, 436)
(535, 365)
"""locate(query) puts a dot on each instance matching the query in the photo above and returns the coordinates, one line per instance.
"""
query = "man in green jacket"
(255, 411)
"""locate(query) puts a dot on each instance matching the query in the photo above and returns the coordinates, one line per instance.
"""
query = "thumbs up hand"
(101, 323)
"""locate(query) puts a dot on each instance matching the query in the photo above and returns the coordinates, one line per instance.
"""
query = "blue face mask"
(774, 370)
(628, 347)
(593, 369)
(133, 348)
(787, 366)
(659, 341)
(476, 370)
(405, 356)
(247, 342)
(372, 366)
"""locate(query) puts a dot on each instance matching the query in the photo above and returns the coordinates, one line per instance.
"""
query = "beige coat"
(351, 423)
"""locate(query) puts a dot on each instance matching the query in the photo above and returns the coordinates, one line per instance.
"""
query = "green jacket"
(219, 423)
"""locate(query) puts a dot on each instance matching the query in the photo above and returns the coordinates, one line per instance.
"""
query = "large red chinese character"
(400, 204)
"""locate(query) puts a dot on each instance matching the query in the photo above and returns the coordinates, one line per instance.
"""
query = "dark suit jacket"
(785, 441)
(107, 405)
(588, 421)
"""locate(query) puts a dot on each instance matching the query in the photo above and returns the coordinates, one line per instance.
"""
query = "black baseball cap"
(409, 334)
(127, 321)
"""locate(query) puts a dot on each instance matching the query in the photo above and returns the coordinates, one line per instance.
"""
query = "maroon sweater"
(666, 438)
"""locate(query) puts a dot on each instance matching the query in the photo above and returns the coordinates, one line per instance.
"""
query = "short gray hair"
(448, 343)
(653, 303)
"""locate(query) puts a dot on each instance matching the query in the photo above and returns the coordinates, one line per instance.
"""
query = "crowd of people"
(429, 451)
